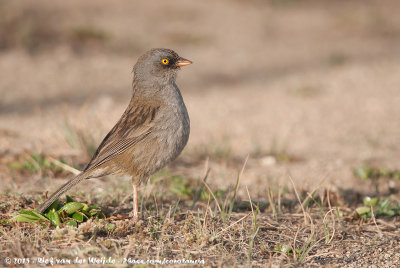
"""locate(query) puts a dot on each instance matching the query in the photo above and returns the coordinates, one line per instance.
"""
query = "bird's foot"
(134, 216)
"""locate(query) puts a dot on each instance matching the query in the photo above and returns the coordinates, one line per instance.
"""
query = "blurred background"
(306, 88)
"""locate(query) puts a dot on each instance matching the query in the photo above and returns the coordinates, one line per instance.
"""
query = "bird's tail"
(71, 183)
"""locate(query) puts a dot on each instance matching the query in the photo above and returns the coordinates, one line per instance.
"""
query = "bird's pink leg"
(135, 213)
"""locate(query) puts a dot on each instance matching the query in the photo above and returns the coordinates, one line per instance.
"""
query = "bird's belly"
(160, 147)
(172, 142)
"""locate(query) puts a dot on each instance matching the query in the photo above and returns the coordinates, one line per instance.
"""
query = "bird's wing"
(135, 124)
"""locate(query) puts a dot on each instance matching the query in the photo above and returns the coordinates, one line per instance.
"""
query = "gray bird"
(152, 132)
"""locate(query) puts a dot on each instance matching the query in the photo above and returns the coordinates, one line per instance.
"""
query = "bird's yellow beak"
(183, 62)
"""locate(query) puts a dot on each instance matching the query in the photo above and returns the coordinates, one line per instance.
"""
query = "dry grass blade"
(243, 167)
(310, 196)
(64, 166)
(280, 188)
(376, 225)
(197, 195)
(237, 185)
(298, 199)
(212, 194)
(271, 200)
(230, 226)
(334, 225)
(251, 202)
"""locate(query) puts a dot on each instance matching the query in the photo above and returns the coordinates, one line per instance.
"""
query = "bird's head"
(158, 65)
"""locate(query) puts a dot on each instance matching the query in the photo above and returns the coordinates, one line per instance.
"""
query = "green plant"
(378, 207)
(70, 213)
(375, 174)
(368, 172)
(254, 229)
(285, 249)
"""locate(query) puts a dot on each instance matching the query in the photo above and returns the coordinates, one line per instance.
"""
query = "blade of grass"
(230, 226)
(237, 185)
(271, 200)
(212, 194)
(63, 166)
(298, 199)
(198, 193)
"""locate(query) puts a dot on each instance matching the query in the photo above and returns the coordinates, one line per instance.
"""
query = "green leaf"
(32, 213)
(361, 173)
(54, 217)
(69, 199)
(24, 218)
(97, 214)
(396, 175)
(368, 201)
(25, 215)
(72, 207)
(54, 205)
(94, 207)
(71, 222)
(93, 213)
(85, 207)
(87, 214)
(385, 203)
(79, 217)
(286, 249)
(384, 172)
(363, 210)
(29, 166)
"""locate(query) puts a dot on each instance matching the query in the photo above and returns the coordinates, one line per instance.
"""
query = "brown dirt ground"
(308, 89)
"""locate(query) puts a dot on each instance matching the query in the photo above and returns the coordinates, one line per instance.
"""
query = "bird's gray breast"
(172, 128)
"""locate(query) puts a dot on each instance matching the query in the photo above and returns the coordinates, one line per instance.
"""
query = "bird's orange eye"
(165, 61)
